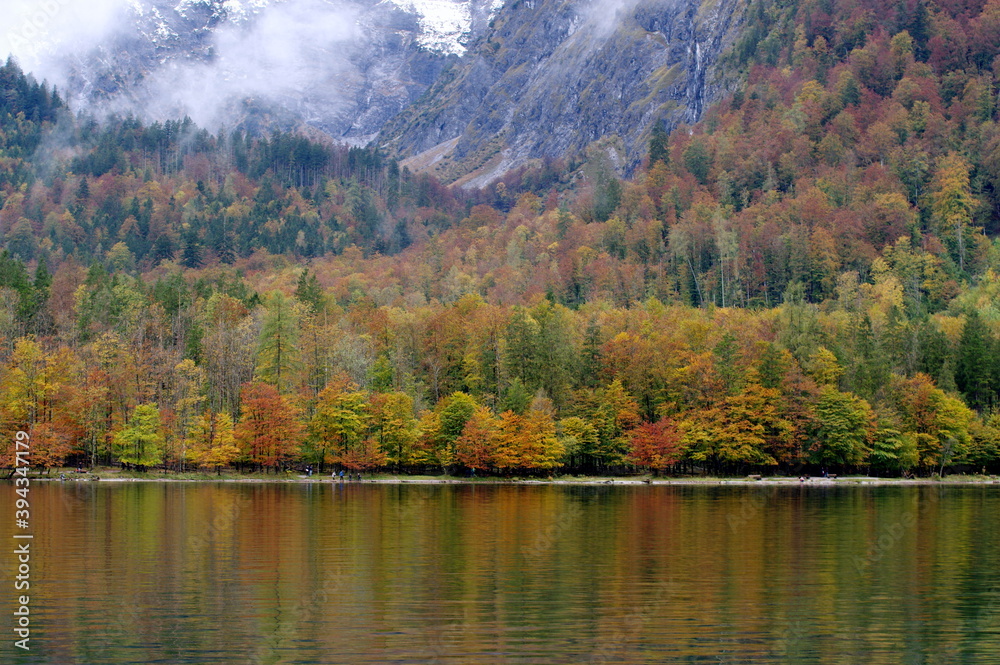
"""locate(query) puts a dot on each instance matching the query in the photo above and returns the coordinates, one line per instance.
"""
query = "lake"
(365, 573)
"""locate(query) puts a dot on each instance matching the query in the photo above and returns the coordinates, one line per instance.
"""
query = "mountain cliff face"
(552, 76)
(467, 89)
(343, 67)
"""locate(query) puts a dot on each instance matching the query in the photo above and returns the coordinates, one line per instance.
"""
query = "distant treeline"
(208, 373)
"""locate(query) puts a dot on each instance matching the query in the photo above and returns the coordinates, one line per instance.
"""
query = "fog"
(296, 51)
(607, 15)
(39, 34)
(293, 50)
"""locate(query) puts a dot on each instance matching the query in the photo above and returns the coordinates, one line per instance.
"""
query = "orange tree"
(269, 432)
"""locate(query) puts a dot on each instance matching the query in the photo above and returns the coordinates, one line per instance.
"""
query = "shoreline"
(848, 481)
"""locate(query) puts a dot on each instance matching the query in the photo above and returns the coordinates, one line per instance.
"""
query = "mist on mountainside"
(338, 66)
(525, 80)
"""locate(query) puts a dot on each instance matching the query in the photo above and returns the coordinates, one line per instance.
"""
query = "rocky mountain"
(342, 67)
(551, 77)
(467, 89)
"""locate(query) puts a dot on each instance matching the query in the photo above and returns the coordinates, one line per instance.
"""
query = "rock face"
(552, 76)
(343, 67)
(466, 89)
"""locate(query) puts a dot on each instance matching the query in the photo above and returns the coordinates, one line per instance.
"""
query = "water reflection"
(363, 573)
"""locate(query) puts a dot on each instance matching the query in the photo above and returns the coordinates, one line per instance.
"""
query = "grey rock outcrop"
(343, 67)
(550, 77)
(465, 89)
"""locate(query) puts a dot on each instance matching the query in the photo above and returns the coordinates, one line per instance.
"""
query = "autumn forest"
(806, 279)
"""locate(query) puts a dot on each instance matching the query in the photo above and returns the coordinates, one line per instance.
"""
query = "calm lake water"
(360, 573)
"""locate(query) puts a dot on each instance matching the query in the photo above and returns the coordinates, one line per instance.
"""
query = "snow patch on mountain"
(341, 66)
(162, 32)
(444, 24)
(235, 11)
(241, 11)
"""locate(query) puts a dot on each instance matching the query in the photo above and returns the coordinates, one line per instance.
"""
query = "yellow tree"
(140, 442)
(527, 442)
(746, 428)
(544, 449)
(339, 426)
(393, 424)
(952, 203)
(212, 441)
(188, 399)
(823, 367)
(35, 395)
(430, 447)
(939, 422)
(612, 412)
(27, 386)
